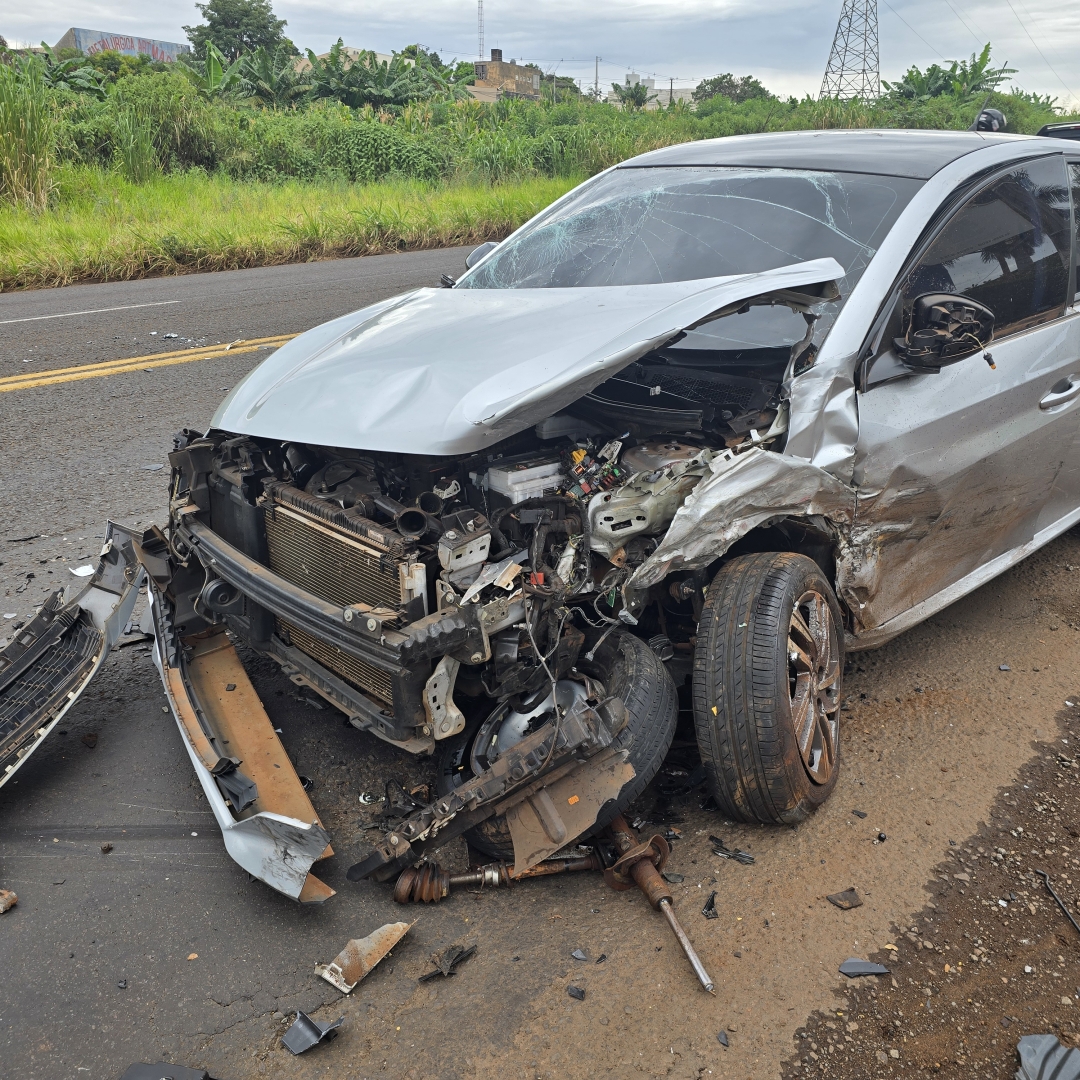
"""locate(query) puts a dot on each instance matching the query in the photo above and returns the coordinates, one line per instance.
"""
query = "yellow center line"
(53, 376)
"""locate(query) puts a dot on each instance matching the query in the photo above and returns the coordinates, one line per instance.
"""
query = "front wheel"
(768, 666)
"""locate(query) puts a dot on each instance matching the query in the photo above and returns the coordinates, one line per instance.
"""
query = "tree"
(726, 85)
(962, 79)
(235, 27)
(369, 81)
(215, 76)
(271, 76)
(632, 97)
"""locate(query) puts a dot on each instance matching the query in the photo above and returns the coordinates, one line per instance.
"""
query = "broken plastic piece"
(7, 900)
(854, 967)
(845, 900)
(448, 961)
(578, 954)
(721, 849)
(163, 1071)
(1042, 1057)
(709, 910)
(722, 1038)
(859, 813)
(306, 1033)
(576, 993)
(360, 956)
(672, 879)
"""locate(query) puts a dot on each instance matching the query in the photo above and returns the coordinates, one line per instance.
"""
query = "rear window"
(638, 226)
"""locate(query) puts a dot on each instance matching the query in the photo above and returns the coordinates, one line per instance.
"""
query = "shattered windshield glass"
(639, 226)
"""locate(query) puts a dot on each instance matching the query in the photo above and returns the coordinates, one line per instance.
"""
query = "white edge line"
(91, 311)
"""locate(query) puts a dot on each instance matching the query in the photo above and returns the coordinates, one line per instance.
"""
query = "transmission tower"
(853, 70)
(480, 27)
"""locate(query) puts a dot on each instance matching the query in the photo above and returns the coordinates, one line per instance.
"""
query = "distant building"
(504, 80)
(661, 98)
(351, 55)
(89, 42)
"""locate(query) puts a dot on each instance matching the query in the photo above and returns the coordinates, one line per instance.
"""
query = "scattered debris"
(579, 954)
(1060, 903)
(861, 814)
(1004, 667)
(854, 967)
(448, 961)
(106, 848)
(90, 739)
(7, 900)
(163, 1071)
(360, 956)
(845, 900)
(601, 958)
(122, 984)
(152, 468)
(881, 838)
(135, 639)
(366, 798)
(576, 993)
(1042, 1056)
(709, 910)
(722, 1039)
(721, 849)
(82, 571)
(672, 879)
(193, 956)
(306, 1033)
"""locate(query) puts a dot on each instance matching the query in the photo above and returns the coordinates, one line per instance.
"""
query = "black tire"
(756, 674)
(629, 669)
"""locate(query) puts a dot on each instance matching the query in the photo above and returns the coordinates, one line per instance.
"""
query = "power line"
(1037, 49)
(853, 70)
(961, 18)
(914, 31)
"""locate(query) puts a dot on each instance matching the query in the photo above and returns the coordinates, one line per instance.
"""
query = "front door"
(956, 468)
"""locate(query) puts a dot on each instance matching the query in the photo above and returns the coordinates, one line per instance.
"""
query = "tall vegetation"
(26, 134)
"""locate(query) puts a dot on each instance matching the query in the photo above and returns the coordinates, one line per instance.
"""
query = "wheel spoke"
(802, 717)
(799, 657)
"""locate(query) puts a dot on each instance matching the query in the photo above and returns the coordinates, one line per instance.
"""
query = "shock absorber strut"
(640, 864)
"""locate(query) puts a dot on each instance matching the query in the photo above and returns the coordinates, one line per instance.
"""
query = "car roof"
(888, 152)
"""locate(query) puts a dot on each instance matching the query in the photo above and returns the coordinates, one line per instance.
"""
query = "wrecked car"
(712, 420)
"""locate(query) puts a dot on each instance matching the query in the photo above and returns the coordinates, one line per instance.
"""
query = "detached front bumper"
(266, 818)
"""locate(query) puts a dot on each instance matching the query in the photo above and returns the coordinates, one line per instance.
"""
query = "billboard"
(95, 41)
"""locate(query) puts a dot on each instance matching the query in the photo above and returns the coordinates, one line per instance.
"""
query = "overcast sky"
(785, 43)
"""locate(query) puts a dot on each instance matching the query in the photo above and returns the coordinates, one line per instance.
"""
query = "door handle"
(1062, 392)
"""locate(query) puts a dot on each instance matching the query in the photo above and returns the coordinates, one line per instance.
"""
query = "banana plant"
(215, 76)
(73, 73)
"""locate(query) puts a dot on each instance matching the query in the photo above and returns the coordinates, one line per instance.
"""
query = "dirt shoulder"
(990, 958)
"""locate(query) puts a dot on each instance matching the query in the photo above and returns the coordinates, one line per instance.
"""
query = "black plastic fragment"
(576, 993)
(855, 967)
(721, 849)
(859, 813)
(163, 1071)
(448, 961)
(239, 789)
(306, 1033)
(845, 900)
(709, 910)
(672, 879)
(722, 1038)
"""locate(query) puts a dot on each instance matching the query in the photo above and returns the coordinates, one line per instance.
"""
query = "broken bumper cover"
(276, 835)
(51, 661)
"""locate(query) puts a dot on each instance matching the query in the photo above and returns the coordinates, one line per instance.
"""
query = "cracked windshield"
(650, 225)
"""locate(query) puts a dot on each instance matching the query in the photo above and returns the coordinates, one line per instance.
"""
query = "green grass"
(103, 228)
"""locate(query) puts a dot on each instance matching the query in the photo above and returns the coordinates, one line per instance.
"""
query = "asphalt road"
(211, 962)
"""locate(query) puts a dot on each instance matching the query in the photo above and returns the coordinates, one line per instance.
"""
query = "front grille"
(365, 676)
(340, 569)
(335, 567)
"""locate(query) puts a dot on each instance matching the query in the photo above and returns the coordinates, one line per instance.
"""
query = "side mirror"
(477, 254)
(944, 328)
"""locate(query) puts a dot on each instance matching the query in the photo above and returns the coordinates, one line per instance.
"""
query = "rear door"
(959, 467)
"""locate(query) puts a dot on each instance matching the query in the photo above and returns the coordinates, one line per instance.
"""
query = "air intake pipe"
(411, 521)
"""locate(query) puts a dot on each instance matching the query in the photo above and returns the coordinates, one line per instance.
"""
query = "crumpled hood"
(452, 371)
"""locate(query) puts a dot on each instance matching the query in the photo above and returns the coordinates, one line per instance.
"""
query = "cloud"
(785, 43)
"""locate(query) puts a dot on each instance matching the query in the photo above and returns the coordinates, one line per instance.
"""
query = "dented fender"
(739, 494)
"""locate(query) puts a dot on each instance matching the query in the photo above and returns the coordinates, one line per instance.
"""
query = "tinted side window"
(1008, 247)
(1074, 174)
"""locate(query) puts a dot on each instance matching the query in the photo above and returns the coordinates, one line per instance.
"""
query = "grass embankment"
(103, 228)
